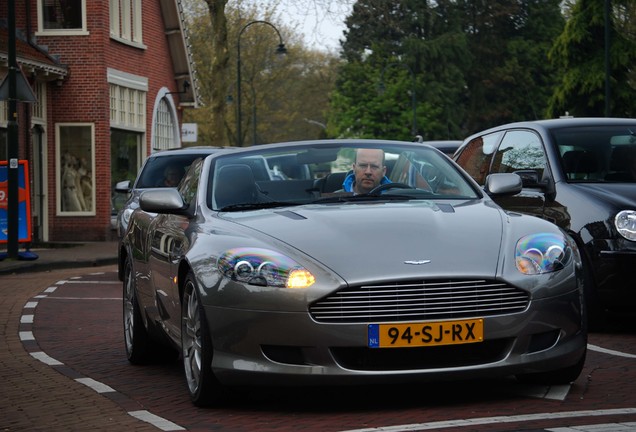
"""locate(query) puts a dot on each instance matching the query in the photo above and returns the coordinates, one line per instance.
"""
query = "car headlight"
(625, 222)
(542, 253)
(125, 219)
(264, 267)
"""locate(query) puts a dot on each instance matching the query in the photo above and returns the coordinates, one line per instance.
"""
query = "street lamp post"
(230, 100)
(413, 97)
(279, 50)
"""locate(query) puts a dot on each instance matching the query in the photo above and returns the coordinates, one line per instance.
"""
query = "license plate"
(426, 333)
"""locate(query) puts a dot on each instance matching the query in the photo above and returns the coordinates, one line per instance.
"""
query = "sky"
(321, 21)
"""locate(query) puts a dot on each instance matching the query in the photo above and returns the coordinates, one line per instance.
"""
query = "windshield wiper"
(362, 197)
(259, 205)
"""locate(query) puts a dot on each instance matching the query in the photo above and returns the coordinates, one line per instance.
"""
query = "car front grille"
(419, 300)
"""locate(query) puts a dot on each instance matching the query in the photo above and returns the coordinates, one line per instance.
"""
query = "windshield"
(270, 176)
(597, 153)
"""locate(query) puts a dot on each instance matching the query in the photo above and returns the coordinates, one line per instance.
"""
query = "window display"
(76, 174)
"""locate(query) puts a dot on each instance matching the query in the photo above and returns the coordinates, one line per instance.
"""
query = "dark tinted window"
(519, 150)
(476, 157)
(157, 169)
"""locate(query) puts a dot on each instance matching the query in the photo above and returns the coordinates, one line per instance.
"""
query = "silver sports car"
(347, 262)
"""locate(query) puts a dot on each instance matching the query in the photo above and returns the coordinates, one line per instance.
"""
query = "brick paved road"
(79, 324)
(33, 396)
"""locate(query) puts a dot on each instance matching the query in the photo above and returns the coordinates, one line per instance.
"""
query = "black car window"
(475, 158)
(519, 150)
(156, 168)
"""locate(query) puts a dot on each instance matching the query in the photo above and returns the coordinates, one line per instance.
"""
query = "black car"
(579, 173)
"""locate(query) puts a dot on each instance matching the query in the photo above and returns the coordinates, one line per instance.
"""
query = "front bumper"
(290, 348)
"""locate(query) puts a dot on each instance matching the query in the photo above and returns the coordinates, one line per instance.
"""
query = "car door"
(519, 151)
(169, 243)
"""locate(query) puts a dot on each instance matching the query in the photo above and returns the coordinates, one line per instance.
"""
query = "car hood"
(379, 241)
(618, 195)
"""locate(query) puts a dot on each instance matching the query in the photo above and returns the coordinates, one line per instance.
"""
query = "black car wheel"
(138, 345)
(196, 348)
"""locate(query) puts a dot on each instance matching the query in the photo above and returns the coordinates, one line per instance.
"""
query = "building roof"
(31, 58)
(180, 52)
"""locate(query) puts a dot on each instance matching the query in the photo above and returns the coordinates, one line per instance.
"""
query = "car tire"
(196, 348)
(136, 338)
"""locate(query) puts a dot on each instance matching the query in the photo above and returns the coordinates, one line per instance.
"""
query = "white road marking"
(30, 305)
(611, 352)
(606, 427)
(26, 319)
(95, 385)
(85, 298)
(44, 358)
(26, 336)
(496, 420)
(555, 392)
(155, 420)
(93, 282)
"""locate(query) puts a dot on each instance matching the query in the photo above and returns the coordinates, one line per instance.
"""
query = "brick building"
(111, 78)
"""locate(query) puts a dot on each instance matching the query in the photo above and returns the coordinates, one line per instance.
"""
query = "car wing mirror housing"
(503, 184)
(531, 179)
(123, 186)
(162, 200)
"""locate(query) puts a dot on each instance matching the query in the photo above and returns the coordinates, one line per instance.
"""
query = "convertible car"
(264, 267)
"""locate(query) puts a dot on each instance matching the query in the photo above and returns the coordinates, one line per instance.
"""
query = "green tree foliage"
(509, 78)
(413, 51)
(579, 53)
(476, 64)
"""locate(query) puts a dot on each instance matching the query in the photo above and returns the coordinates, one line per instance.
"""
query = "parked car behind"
(297, 280)
(153, 174)
(579, 174)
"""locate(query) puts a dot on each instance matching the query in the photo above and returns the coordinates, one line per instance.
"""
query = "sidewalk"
(62, 256)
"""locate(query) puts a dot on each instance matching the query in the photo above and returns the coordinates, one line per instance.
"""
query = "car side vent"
(420, 300)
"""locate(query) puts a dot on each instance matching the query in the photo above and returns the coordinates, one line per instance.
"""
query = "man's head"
(172, 176)
(369, 169)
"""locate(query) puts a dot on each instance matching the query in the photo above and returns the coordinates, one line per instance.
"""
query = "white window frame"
(128, 95)
(38, 109)
(164, 126)
(126, 22)
(165, 136)
(60, 32)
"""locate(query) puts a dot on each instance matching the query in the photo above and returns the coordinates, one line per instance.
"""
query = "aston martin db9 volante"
(347, 262)
(579, 173)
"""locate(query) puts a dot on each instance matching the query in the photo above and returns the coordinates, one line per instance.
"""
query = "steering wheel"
(387, 186)
(433, 177)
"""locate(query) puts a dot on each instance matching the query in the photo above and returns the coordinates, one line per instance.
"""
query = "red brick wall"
(84, 98)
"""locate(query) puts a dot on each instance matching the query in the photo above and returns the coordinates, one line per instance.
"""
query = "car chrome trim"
(417, 262)
(420, 300)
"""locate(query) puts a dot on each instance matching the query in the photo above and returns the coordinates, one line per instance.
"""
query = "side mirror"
(503, 184)
(123, 186)
(164, 200)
